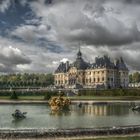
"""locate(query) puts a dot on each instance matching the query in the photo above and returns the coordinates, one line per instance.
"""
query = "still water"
(88, 116)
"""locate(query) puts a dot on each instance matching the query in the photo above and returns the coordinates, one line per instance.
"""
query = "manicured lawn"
(115, 138)
(105, 98)
(23, 98)
(4, 97)
(78, 97)
(31, 97)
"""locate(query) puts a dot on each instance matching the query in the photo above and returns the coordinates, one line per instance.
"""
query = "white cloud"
(64, 60)
(10, 57)
(31, 33)
(4, 5)
(103, 26)
(93, 22)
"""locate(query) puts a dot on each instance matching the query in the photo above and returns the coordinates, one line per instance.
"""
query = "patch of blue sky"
(14, 16)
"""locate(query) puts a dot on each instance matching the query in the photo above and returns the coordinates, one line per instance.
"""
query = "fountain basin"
(96, 118)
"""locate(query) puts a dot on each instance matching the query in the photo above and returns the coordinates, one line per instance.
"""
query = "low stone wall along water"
(50, 133)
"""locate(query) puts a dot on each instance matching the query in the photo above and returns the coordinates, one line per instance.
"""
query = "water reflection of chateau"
(103, 110)
(103, 73)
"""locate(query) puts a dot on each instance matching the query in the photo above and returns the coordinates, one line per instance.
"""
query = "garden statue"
(59, 103)
(19, 115)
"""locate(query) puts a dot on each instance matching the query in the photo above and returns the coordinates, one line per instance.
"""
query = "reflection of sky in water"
(96, 115)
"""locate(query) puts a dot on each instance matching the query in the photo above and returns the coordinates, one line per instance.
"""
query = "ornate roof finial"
(79, 54)
(79, 47)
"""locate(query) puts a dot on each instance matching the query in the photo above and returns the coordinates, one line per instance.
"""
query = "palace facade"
(103, 73)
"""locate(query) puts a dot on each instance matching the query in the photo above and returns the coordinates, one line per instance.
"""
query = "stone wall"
(56, 133)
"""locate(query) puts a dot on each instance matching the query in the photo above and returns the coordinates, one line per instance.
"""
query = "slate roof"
(100, 62)
(63, 67)
(103, 62)
(121, 65)
(80, 64)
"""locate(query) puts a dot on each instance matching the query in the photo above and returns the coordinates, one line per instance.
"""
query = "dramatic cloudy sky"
(35, 35)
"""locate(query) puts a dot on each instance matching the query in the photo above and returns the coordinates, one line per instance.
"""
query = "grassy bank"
(105, 98)
(112, 94)
(114, 138)
(94, 98)
(23, 98)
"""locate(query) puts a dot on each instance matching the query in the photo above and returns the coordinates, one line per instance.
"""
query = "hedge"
(26, 93)
(110, 92)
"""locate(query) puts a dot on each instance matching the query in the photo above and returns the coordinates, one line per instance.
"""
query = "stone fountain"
(59, 103)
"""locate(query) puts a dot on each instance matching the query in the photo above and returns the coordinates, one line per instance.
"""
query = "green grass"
(103, 98)
(4, 97)
(31, 97)
(114, 138)
(23, 98)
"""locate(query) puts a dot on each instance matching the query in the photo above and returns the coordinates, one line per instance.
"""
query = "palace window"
(90, 80)
(102, 78)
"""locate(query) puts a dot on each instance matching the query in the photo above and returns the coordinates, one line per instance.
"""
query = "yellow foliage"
(58, 103)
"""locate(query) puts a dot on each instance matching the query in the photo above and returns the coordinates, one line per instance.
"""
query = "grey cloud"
(4, 5)
(10, 57)
(24, 57)
(90, 22)
(109, 27)
(130, 56)
(103, 26)
(99, 35)
(132, 1)
(32, 33)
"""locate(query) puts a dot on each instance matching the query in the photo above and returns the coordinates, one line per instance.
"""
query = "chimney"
(67, 65)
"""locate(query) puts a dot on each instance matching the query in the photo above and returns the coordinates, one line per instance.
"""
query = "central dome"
(80, 63)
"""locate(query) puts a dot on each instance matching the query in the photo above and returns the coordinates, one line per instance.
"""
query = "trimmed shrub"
(14, 95)
(49, 94)
(110, 92)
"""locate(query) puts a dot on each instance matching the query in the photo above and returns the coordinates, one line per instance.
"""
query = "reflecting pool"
(86, 116)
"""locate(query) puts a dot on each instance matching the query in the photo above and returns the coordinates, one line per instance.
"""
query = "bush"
(14, 95)
(49, 94)
(110, 92)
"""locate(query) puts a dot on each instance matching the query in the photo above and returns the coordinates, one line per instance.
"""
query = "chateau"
(102, 74)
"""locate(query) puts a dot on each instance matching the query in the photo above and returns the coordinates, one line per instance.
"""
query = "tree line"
(40, 80)
(26, 80)
(134, 78)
